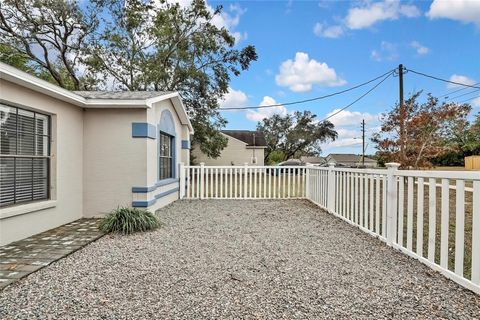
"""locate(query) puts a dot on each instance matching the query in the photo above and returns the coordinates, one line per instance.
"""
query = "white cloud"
(460, 79)
(346, 118)
(461, 10)
(421, 49)
(300, 74)
(260, 114)
(372, 12)
(234, 98)
(475, 102)
(323, 31)
(388, 51)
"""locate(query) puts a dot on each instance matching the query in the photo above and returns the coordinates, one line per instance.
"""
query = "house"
(350, 160)
(66, 155)
(243, 147)
(313, 160)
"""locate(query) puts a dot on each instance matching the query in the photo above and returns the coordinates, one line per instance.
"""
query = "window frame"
(169, 158)
(16, 155)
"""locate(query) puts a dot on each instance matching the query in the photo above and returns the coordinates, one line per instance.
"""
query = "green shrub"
(129, 220)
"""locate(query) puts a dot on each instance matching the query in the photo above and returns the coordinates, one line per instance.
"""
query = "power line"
(441, 79)
(469, 99)
(464, 94)
(454, 91)
(359, 98)
(311, 99)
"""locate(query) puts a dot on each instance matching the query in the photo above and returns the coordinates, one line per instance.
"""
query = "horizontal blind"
(24, 155)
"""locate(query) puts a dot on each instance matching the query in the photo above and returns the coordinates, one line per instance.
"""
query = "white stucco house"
(243, 146)
(66, 155)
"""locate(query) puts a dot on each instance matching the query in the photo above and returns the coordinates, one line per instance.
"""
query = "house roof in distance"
(247, 137)
(348, 157)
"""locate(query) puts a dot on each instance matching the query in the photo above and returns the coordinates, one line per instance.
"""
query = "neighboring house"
(313, 160)
(243, 147)
(350, 160)
(66, 155)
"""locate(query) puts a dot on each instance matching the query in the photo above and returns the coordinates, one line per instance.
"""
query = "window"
(166, 156)
(24, 155)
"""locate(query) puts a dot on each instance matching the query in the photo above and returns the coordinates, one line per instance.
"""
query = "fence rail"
(433, 216)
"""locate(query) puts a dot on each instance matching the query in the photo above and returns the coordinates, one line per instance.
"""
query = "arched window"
(166, 141)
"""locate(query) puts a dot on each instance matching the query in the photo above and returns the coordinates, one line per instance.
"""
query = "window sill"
(26, 208)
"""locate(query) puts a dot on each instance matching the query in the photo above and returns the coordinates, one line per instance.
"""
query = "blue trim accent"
(185, 144)
(143, 130)
(148, 203)
(166, 193)
(160, 183)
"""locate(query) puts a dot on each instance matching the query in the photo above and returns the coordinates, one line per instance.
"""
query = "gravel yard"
(239, 259)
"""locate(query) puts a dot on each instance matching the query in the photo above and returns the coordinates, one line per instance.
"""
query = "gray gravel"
(239, 259)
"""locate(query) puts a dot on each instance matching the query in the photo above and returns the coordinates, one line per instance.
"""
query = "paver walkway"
(23, 257)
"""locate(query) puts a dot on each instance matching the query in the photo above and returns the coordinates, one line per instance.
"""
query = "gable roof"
(348, 157)
(313, 160)
(96, 99)
(247, 136)
(122, 95)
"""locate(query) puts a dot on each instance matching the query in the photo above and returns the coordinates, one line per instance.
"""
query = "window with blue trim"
(166, 156)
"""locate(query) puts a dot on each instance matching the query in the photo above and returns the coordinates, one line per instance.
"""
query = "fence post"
(331, 188)
(392, 202)
(202, 179)
(182, 180)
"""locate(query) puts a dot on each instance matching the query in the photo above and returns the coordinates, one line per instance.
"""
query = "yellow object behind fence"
(472, 163)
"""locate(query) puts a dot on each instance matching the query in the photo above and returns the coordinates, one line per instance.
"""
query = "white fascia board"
(26, 80)
(176, 100)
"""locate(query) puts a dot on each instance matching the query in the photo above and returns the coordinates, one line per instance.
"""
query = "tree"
(463, 141)
(149, 46)
(294, 135)
(131, 45)
(50, 34)
(427, 126)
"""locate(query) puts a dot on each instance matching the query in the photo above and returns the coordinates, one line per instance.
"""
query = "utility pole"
(402, 114)
(363, 142)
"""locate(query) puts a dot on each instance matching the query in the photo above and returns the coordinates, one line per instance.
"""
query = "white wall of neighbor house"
(23, 220)
(236, 153)
(114, 161)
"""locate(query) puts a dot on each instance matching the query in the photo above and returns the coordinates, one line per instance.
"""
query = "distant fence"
(433, 216)
(472, 163)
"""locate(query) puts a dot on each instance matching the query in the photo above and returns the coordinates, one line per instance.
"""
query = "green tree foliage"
(463, 141)
(428, 126)
(131, 45)
(50, 35)
(295, 135)
(164, 46)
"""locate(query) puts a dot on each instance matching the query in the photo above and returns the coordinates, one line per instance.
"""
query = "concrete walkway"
(21, 258)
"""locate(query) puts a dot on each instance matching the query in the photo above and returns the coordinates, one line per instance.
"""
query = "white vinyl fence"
(433, 216)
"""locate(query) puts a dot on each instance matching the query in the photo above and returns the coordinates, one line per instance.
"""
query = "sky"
(312, 48)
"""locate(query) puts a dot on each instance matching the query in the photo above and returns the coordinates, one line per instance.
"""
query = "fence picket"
(444, 224)
(459, 227)
(409, 213)
(420, 221)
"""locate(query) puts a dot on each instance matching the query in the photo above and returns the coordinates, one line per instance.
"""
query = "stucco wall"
(235, 153)
(18, 222)
(165, 191)
(114, 161)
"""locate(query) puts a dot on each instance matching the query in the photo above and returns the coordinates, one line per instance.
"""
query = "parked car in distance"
(289, 163)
